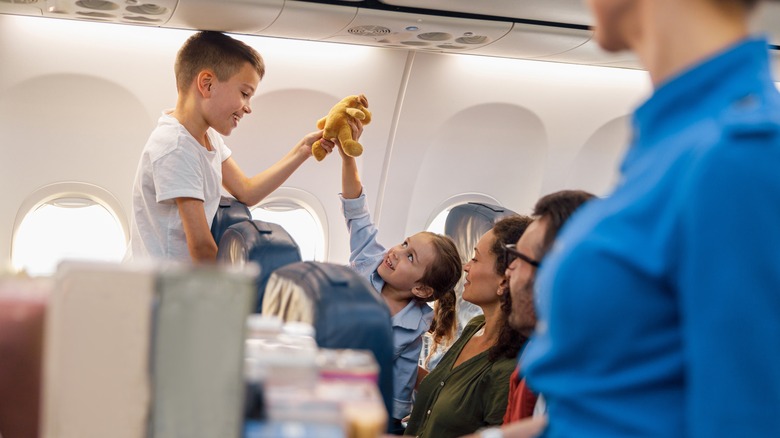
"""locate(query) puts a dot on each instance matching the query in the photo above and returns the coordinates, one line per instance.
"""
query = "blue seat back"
(266, 244)
(343, 307)
(230, 212)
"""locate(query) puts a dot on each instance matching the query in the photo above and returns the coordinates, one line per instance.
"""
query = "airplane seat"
(231, 211)
(465, 224)
(266, 244)
(343, 307)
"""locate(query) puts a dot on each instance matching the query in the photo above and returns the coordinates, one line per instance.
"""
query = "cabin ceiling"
(550, 30)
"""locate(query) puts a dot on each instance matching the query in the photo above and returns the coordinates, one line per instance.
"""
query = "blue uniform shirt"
(659, 306)
(409, 324)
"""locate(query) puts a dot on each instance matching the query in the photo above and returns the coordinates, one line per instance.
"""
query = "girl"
(423, 268)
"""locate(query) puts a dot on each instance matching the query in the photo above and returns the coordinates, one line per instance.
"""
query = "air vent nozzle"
(369, 30)
(435, 36)
(98, 5)
(474, 39)
(148, 8)
(92, 14)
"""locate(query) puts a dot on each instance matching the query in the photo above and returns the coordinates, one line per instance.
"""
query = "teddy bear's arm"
(356, 113)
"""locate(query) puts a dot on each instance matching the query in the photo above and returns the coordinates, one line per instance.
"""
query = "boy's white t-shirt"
(173, 165)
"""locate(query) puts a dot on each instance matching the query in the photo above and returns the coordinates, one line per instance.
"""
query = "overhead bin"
(28, 8)
(150, 13)
(535, 41)
(309, 21)
(238, 16)
(552, 30)
(590, 53)
(555, 11)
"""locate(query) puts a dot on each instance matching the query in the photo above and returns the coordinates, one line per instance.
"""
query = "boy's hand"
(304, 146)
(311, 137)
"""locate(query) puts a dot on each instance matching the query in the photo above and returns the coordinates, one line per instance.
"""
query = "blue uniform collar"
(687, 96)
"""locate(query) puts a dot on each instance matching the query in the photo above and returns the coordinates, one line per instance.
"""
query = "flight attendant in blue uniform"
(659, 306)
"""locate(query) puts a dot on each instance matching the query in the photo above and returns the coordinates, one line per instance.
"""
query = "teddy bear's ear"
(363, 100)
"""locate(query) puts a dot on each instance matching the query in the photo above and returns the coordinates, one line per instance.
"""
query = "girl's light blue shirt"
(409, 324)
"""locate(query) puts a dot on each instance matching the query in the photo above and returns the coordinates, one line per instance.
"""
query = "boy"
(177, 186)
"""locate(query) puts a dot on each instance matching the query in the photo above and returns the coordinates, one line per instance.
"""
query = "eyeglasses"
(511, 253)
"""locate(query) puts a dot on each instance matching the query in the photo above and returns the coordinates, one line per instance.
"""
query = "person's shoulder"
(747, 130)
(740, 161)
(422, 313)
(425, 308)
(169, 135)
(753, 117)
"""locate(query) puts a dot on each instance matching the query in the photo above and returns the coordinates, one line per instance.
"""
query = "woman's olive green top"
(454, 402)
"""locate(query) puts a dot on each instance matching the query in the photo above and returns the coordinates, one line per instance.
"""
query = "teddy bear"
(336, 125)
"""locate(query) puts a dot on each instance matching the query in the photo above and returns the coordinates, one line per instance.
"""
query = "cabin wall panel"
(77, 101)
(67, 139)
(486, 159)
(139, 58)
(570, 102)
(593, 168)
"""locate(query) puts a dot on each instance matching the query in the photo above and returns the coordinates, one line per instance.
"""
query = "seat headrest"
(343, 307)
(230, 212)
(316, 292)
(466, 223)
(266, 244)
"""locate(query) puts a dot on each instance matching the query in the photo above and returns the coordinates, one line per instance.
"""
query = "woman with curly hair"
(468, 388)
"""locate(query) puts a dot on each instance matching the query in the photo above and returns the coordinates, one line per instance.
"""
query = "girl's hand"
(357, 130)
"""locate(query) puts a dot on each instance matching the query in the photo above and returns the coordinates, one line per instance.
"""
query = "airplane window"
(66, 228)
(437, 224)
(299, 222)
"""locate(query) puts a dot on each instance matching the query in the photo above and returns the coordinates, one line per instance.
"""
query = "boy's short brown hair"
(216, 51)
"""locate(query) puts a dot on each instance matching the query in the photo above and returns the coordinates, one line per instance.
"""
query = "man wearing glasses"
(522, 259)
(550, 213)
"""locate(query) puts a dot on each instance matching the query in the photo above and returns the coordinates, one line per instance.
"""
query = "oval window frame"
(63, 190)
(454, 201)
(299, 198)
